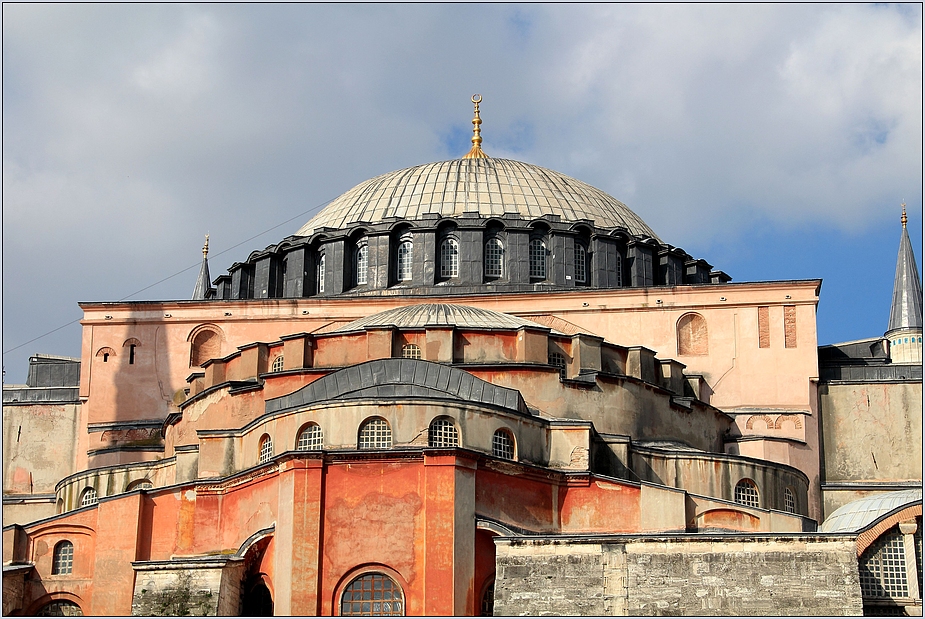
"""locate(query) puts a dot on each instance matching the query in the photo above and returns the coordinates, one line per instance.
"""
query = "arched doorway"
(257, 601)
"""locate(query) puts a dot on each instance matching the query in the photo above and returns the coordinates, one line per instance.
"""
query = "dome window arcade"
(746, 493)
(449, 258)
(311, 438)
(404, 261)
(411, 351)
(581, 264)
(89, 497)
(537, 255)
(502, 444)
(266, 449)
(494, 258)
(278, 364)
(362, 262)
(375, 434)
(319, 286)
(790, 503)
(443, 433)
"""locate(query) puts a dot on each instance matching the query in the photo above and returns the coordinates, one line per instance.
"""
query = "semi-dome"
(433, 314)
(490, 187)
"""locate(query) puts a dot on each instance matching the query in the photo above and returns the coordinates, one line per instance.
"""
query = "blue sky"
(774, 141)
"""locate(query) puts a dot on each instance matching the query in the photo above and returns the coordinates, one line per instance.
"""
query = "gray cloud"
(131, 130)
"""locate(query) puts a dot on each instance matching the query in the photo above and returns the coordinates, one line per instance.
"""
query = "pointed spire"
(476, 151)
(906, 311)
(203, 288)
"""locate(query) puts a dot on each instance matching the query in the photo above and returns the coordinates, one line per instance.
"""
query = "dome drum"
(462, 254)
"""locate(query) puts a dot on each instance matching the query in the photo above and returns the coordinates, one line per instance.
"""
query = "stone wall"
(678, 575)
(187, 588)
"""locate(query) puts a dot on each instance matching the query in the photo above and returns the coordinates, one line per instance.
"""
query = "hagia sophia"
(470, 387)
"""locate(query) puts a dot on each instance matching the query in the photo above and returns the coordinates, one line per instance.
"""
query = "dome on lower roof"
(429, 314)
(490, 187)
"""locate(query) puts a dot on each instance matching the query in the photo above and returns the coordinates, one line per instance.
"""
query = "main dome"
(490, 187)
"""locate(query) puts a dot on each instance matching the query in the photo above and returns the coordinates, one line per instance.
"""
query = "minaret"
(905, 330)
(476, 151)
(203, 288)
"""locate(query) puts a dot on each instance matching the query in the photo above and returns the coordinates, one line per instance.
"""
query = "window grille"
(443, 433)
(618, 270)
(790, 504)
(277, 364)
(411, 351)
(362, 263)
(375, 434)
(60, 608)
(502, 445)
(746, 493)
(581, 264)
(89, 497)
(266, 449)
(537, 258)
(63, 559)
(372, 595)
(557, 359)
(321, 275)
(882, 567)
(488, 600)
(494, 258)
(141, 484)
(449, 258)
(405, 252)
(917, 546)
(311, 438)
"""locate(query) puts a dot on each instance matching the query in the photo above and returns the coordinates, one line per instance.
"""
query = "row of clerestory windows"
(746, 493)
(376, 433)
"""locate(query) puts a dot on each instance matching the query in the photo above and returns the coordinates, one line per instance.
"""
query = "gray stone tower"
(905, 330)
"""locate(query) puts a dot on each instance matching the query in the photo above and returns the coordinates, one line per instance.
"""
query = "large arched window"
(581, 264)
(494, 258)
(375, 434)
(443, 433)
(882, 567)
(311, 438)
(362, 262)
(405, 254)
(60, 608)
(320, 275)
(502, 444)
(63, 558)
(266, 449)
(537, 258)
(692, 335)
(89, 497)
(372, 595)
(449, 258)
(746, 493)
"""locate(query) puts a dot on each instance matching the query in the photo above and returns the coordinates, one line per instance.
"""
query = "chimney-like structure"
(203, 289)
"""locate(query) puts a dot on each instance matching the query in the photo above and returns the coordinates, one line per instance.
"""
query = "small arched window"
(89, 497)
(443, 433)
(375, 434)
(372, 595)
(266, 449)
(790, 503)
(320, 275)
(692, 335)
(63, 558)
(278, 364)
(557, 360)
(139, 484)
(502, 444)
(105, 353)
(411, 351)
(581, 264)
(449, 258)
(494, 258)
(131, 344)
(537, 258)
(746, 493)
(362, 263)
(311, 438)
(405, 254)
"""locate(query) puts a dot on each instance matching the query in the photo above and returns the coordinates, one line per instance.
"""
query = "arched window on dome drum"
(442, 433)
(278, 364)
(494, 258)
(89, 497)
(746, 493)
(618, 271)
(502, 444)
(411, 351)
(320, 275)
(311, 438)
(581, 264)
(790, 503)
(266, 449)
(362, 263)
(63, 558)
(557, 360)
(449, 258)
(372, 595)
(375, 434)
(405, 253)
(139, 484)
(537, 258)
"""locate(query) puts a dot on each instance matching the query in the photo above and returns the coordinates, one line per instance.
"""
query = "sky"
(775, 141)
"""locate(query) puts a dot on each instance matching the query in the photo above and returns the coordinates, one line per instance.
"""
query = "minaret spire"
(203, 288)
(905, 329)
(476, 151)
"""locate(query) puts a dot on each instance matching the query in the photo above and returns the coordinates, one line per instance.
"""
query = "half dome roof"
(490, 187)
(430, 314)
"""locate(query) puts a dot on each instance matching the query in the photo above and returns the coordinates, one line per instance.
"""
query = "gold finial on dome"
(476, 151)
(205, 248)
(903, 218)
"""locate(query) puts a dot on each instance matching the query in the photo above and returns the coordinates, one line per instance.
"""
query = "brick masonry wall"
(678, 575)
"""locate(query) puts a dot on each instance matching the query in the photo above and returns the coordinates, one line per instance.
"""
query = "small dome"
(491, 187)
(857, 515)
(419, 316)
